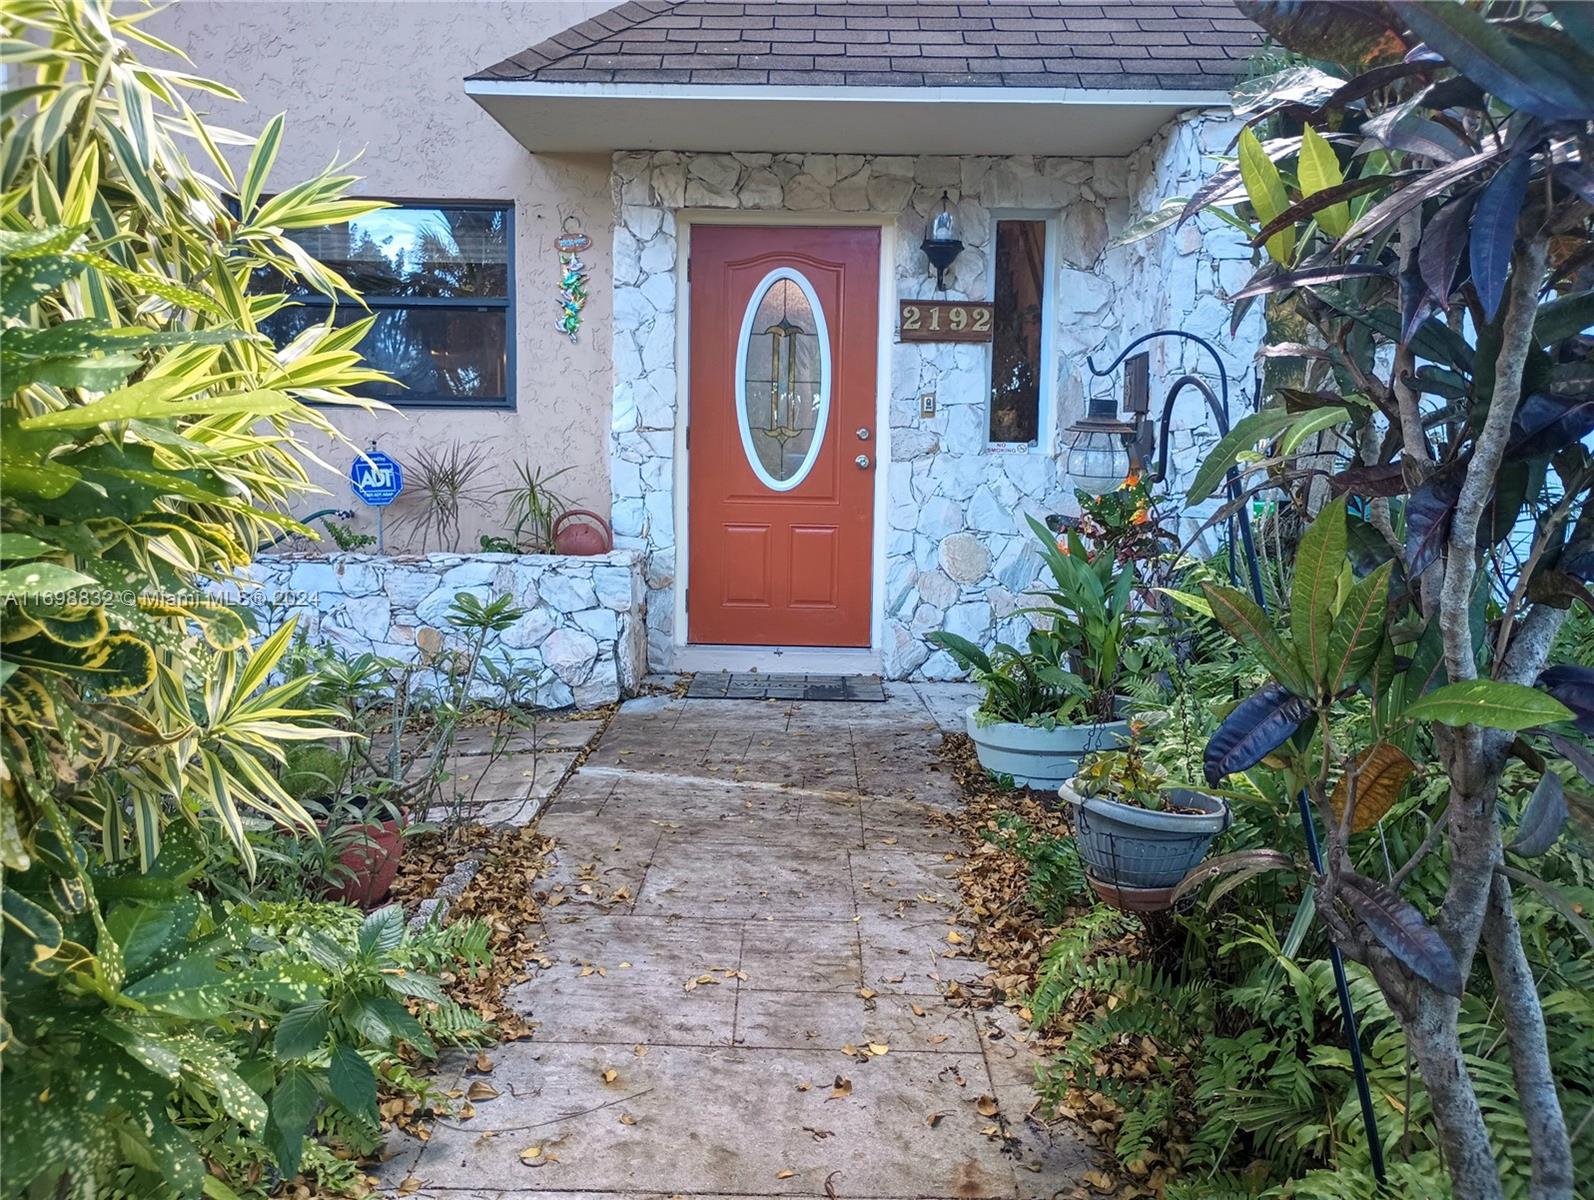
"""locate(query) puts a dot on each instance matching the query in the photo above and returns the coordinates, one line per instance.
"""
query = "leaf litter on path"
(1011, 935)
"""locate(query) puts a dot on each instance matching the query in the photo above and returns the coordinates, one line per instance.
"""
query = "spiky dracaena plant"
(1441, 168)
(148, 447)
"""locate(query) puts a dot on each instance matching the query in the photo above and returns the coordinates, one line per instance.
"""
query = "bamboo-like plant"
(148, 447)
(149, 428)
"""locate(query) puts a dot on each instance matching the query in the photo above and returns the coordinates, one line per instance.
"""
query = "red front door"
(782, 442)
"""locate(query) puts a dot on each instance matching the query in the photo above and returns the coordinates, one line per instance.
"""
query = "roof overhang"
(553, 118)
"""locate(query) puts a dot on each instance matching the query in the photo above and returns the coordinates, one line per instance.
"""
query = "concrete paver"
(804, 956)
(739, 890)
(810, 1020)
(731, 1119)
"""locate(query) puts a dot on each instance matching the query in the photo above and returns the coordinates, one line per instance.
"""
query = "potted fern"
(1048, 705)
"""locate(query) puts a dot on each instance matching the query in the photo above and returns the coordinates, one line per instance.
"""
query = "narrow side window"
(1018, 296)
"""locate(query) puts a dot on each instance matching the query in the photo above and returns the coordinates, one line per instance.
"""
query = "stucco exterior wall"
(957, 553)
(382, 79)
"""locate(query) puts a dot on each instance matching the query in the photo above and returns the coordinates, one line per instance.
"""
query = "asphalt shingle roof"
(1186, 44)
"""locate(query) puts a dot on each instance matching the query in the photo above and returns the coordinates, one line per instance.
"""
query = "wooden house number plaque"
(943, 321)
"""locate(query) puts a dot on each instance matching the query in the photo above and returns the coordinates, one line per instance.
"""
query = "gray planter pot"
(1040, 758)
(1138, 848)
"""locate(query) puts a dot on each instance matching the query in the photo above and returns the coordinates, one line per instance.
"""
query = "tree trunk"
(1473, 759)
(1530, 1052)
(1436, 1047)
(1474, 840)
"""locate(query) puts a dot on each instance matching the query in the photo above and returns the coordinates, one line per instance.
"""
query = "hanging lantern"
(941, 243)
(1098, 456)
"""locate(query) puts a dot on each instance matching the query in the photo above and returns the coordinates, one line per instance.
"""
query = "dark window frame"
(1046, 381)
(410, 399)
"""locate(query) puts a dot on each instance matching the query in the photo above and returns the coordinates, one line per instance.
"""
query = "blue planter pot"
(1040, 758)
(1132, 847)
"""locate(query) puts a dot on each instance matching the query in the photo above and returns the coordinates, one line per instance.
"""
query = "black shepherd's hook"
(1219, 405)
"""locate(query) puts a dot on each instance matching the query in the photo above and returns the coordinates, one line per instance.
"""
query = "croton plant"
(1417, 186)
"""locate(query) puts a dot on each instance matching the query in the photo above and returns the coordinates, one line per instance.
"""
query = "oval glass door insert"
(783, 379)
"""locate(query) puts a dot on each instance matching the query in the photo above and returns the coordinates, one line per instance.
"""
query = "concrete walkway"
(752, 930)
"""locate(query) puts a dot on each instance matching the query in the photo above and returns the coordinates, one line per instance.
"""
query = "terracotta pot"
(588, 535)
(1131, 899)
(374, 862)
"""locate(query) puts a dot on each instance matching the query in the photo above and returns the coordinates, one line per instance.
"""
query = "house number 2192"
(943, 321)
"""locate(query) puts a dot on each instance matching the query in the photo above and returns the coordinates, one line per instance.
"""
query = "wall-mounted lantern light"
(941, 243)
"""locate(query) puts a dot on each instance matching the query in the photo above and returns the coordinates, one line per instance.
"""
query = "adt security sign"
(377, 479)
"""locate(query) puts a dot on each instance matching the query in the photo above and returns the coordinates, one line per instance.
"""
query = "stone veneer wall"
(582, 630)
(956, 553)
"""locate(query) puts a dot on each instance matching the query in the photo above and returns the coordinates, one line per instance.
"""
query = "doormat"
(755, 685)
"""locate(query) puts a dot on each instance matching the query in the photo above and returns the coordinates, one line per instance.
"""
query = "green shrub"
(155, 1022)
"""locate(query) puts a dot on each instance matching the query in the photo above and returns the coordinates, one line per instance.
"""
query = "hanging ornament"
(572, 276)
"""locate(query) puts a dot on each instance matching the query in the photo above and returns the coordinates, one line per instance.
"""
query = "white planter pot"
(1040, 758)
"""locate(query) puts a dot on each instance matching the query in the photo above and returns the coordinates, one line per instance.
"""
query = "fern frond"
(1058, 981)
(1150, 1117)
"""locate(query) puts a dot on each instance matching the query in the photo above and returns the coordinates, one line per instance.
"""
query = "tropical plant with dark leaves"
(1275, 1108)
(1421, 200)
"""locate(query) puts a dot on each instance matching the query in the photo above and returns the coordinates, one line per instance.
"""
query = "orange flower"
(1130, 480)
(1141, 516)
(1062, 545)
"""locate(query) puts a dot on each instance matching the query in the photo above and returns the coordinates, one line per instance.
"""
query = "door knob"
(863, 462)
(863, 433)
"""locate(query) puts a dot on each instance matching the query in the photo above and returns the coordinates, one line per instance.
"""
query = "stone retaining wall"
(582, 632)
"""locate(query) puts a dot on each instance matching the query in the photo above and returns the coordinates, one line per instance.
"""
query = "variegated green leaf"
(31, 922)
(1319, 171)
(1318, 561)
